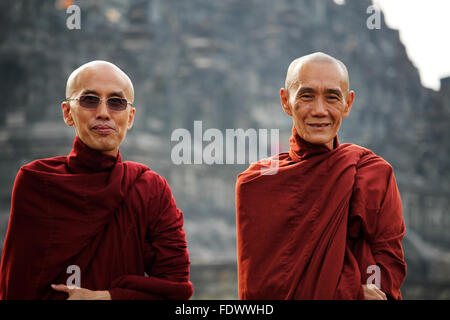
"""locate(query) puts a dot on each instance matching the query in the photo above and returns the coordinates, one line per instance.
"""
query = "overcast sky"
(424, 27)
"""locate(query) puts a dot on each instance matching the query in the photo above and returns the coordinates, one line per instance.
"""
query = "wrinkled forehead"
(319, 74)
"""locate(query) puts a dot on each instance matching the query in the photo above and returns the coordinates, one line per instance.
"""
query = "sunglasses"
(92, 102)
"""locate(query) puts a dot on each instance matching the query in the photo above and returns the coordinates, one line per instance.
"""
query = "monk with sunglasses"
(89, 225)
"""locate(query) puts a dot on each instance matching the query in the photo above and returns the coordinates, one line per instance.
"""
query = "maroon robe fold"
(117, 221)
(311, 230)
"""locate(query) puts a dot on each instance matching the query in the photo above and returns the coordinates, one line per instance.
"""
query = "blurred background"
(223, 62)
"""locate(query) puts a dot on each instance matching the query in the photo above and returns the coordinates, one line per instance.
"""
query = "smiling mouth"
(319, 125)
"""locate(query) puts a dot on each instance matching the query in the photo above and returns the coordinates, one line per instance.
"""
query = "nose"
(318, 109)
(102, 111)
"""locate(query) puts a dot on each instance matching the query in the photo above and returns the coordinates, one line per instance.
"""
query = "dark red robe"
(311, 230)
(117, 221)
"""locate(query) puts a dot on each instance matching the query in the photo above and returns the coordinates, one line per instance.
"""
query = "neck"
(83, 159)
(330, 145)
(111, 152)
(301, 149)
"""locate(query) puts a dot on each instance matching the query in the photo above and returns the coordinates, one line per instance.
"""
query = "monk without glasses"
(114, 221)
(329, 224)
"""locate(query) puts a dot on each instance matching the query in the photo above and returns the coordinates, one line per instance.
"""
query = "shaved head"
(317, 57)
(76, 79)
(100, 127)
(317, 97)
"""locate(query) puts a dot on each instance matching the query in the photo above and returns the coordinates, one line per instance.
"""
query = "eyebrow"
(303, 90)
(112, 94)
(337, 92)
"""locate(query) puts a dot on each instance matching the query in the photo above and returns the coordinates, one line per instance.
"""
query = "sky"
(424, 27)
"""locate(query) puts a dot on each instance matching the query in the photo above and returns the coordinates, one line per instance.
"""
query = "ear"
(349, 103)
(67, 115)
(284, 97)
(131, 118)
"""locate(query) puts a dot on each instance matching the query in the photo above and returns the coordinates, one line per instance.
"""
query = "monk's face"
(100, 128)
(317, 101)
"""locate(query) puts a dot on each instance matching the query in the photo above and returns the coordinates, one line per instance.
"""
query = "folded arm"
(378, 209)
(166, 258)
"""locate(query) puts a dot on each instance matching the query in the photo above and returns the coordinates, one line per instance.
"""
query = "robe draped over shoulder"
(115, 221)
(318, 227)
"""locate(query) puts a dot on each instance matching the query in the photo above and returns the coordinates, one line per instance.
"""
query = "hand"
(76, 293)
(371, 292)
